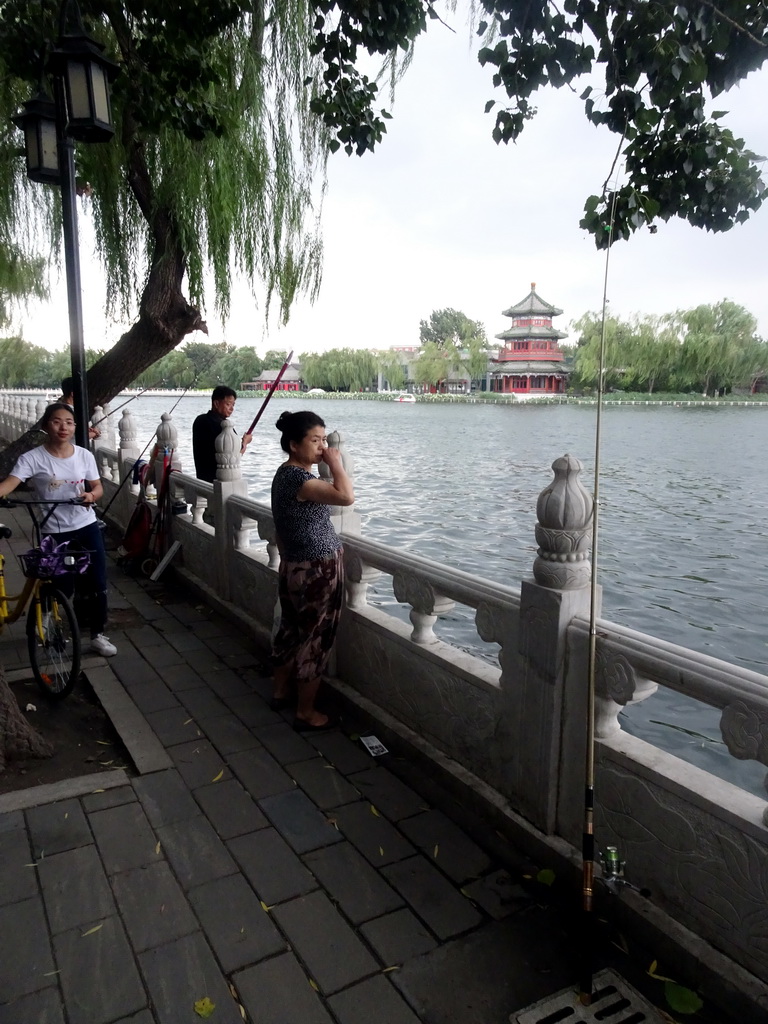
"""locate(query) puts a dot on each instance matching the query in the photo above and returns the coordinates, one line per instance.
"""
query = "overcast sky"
(439, 215)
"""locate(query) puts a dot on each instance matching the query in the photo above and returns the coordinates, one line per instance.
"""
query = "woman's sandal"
(301, 726)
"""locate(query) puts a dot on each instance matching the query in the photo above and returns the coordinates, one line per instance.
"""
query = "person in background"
(60, 470)
(207, 428)
(68, 398)
(311, 577)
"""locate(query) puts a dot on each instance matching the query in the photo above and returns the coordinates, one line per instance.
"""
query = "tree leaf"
(546, 876)
(682, 999)
(204, 1007)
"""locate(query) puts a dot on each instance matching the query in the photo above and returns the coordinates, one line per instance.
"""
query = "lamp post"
(79, 111)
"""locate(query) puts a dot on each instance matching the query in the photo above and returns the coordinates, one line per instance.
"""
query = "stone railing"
(514, 731)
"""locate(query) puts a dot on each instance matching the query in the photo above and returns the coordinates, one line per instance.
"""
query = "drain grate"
(614, 1002)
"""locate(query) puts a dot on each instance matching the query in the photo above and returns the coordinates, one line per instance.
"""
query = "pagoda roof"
(535, 366)
(531, 331)
(532, 304)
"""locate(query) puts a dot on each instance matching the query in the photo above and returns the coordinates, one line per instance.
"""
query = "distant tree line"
(707, 350)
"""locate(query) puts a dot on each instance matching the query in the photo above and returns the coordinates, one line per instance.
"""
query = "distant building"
(530, 361)
(290, 381)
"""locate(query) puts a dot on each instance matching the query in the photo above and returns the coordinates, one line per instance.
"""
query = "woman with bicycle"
(60, 470)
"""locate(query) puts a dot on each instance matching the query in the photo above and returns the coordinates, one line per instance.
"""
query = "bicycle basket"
(52, 559)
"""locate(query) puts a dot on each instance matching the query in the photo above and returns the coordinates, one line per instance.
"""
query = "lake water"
(684, 526)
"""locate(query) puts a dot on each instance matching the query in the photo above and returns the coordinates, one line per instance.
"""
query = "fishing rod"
(149, 442)
(271, 391)
(588, 833)
(133, 398)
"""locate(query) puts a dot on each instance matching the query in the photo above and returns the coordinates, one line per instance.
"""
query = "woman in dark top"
(311, 581)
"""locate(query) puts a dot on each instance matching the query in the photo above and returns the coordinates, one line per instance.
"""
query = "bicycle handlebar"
(16, 503)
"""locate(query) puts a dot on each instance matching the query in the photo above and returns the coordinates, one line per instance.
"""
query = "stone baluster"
(425, 604)
(128, 453)
(98, 417)
(229, 481)
(29, 413)
(107, 427)
(267, 532)
(40, 406)
(167, 445)
(544, 742)
(344, 518)
(744, 729)
(358, 577)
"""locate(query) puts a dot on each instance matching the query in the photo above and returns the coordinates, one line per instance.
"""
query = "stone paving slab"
(346, 756)
(240, 931)
(75, 888)
(195, 851)
(398, 937)
(260, 774)
(174, 726)
(42, 1007)
(373, 1001)
(388, 794)
(284, 744)
(230, 810)
(27, 963)
(153, 906)
(124, 838)
(17, 878)
(57, 827)
(451, 849)
(299, 821)
(227, 733)
(377, 840)
(432, 897)
(323, 783)
(352, 883)
(181, 973)
(165, 798)
(203, 705)
(333, 954)
(97, 973)
(278, 992)
(199, 763)
(272, 868)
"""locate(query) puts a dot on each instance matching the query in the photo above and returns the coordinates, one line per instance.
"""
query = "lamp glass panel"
(100, 94)
(32, 148)
(77, 87)
(49, 150)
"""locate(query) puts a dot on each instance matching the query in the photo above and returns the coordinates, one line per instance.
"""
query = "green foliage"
(344, 97)
(708, 350)
(393, 370)
(21, 278)
(340, 369)
(451, 342)
(660, 63)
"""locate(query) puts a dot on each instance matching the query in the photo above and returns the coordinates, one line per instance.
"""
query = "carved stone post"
(128, 453)
(167, 443)
(344, 518)
(229, 481)
(535, 704)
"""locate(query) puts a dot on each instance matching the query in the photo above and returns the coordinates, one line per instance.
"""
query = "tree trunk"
(17, 737)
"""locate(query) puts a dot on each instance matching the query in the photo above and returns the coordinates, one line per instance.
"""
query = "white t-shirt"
(54, 479)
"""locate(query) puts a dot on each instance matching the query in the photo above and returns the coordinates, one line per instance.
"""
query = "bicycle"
(53, 634)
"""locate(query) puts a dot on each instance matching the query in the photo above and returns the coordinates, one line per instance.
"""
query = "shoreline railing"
(513, 729)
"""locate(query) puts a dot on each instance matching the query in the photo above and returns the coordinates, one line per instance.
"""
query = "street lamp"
(79, 111)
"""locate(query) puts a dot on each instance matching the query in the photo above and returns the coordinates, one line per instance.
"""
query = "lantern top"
(75, 44)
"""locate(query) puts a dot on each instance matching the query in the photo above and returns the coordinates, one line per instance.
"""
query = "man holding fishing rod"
(207, 428)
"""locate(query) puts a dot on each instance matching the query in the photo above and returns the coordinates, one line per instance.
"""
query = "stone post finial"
(167, 437)
(127, 428)
(228, 453)
(564, 511)
(344, 518)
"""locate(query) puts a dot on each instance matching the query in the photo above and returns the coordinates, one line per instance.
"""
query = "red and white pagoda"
(530, 361)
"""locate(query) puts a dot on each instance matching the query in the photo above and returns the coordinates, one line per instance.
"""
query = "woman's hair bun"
(283, 420)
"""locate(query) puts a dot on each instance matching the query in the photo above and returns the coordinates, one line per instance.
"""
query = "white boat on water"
(404, 398)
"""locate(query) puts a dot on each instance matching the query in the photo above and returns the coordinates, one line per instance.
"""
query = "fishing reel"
(613, 873)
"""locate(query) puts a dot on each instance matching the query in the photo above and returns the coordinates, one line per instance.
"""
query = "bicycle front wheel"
(53, 638)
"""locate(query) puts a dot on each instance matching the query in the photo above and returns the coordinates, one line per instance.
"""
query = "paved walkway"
(278, 878)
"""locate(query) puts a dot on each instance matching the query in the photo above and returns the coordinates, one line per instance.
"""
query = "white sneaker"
(100, 645)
